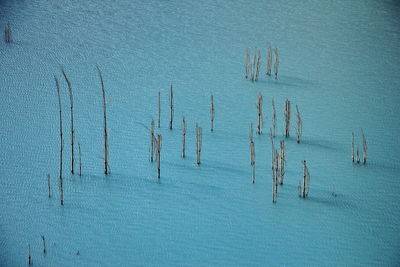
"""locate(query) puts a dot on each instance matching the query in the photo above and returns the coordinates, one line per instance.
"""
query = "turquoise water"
(339, 64)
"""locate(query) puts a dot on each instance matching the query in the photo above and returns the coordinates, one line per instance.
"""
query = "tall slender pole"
(48, 183)
(273, 118)
(159, 109)
(183, 136)
(352, 146)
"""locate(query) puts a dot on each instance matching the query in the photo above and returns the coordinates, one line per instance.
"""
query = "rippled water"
(339, 64)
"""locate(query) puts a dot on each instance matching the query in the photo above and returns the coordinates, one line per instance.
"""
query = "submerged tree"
(276, 65)
(183, 137)
(61, 143)
(364, 142)
(299, 129)
(269, 60)
(171, 107)
(71, 100)
(212, 113)
(287, 118)
(259, 113)
(305, 184)
(106, 164)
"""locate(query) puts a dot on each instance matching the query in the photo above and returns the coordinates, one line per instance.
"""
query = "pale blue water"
(339, 64)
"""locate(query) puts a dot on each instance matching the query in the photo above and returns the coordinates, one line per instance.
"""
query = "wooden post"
(352, 146)
(253, 70)
(171, 106)
(159, 109)
(183, 137)
(276, 65)
(61, 143)
(106, 166)
(299, 129)
(269, 61)
(259, 111)
(152, 148)
(273, 119)
(44, 244)
(80, 159)
(212, 111)
(358, 157)
(71, 99)
(48, 183)
(305, 184)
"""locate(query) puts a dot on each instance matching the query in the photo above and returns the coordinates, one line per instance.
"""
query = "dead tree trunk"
(305, 184)
(287, 118)
(80, 159)
(171, 107)
(29, 254)
(259, 112)
(273, 132)
(199, 139)
(352, 146)
(106, 166)
(48, 183)
(276, 65)
(212, 112)
(8, 34)
(159, 109)
(299, 129)
(364, 146)
(269, 61)
(247, 63)
(253, 160)
(183, 137)
(44, 244)
(282, 158)
(158, 154)
(258, 66)
(152, 147)
(61, 143)
(71, 100)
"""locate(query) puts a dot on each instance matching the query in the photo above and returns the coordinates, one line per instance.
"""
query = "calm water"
(339, 64)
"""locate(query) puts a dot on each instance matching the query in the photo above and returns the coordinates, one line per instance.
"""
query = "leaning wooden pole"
(61, 143)
(71, 100)
(106, 166)
(171, 107)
